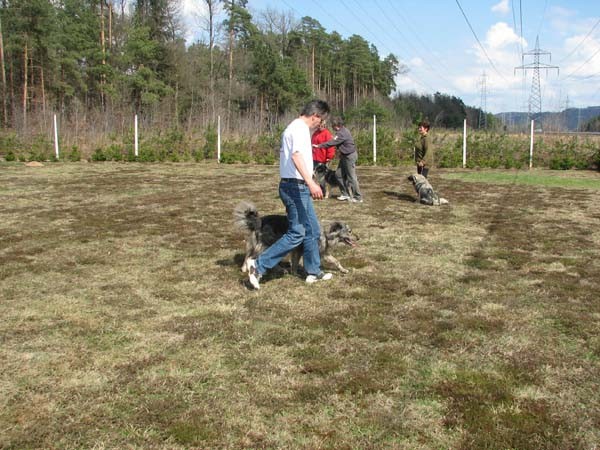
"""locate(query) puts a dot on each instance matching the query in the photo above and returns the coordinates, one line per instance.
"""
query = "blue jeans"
(303, 228)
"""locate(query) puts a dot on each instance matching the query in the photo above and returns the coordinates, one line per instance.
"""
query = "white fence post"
(465, 144)
(135, 133)
(531, 146)
(218, 139)
(374, 139)
(56, 137)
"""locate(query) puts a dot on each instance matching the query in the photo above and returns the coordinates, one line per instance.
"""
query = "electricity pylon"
(482, 104)
(535, 98)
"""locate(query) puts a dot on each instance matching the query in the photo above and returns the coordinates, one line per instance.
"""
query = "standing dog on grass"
(328, 177)
(425, 193)
(263, 231)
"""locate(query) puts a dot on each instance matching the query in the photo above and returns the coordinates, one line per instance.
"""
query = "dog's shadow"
(400, 196)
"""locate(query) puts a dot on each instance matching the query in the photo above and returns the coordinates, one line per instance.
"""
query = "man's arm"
(337, 140)
(315, 189)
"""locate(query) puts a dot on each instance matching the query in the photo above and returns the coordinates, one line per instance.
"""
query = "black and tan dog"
(263, 231)
(425, 193)
(327, 177)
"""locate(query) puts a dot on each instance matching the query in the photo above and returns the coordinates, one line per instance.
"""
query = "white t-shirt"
(296, 138)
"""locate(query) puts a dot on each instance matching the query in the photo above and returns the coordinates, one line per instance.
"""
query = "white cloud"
(500, 35)
(416, 62)
(501, 7)
(193, 15)
(193, 7)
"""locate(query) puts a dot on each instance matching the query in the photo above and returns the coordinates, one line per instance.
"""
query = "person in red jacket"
(321, 156)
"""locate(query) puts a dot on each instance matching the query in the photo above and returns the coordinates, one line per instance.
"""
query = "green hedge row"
(485, 150)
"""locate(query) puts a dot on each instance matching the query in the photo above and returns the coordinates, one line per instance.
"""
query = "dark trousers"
(423, 171)
(347, 177)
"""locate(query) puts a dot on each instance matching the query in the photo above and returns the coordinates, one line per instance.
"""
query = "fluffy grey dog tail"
(246, 216)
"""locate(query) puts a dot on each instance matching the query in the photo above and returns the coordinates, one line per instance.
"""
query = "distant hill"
(567, 120)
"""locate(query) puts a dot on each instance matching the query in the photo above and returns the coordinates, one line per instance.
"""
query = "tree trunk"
(312, 69)
(11, 88)
(103, 47)
(25, 87)
(177, 105)
(231, 36)
(211, 44)
(43, 93)
(2, 69)
(110, 14)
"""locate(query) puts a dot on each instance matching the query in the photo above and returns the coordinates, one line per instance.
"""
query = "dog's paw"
(344, 270)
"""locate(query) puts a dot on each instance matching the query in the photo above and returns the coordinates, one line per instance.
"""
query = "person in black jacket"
(348, 155)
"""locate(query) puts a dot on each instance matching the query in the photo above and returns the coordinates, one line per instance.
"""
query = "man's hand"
(315, 190)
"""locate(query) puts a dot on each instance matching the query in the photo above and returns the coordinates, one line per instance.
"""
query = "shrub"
(114, 152)
(10, 156)
(235, 156)
(210, 144)
(147, 154)
(266, 158)
(9, 145)
(74, 155)
(449, 156)
(131, 155)
(98, 155)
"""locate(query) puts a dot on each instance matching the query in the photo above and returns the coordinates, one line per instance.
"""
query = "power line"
(350, 32)
(584, 39)
(361, 21)
(428, 51)
(542, 18)
(577, 70)
(521, 15)
(479, 42)
(520, 49)
(430, 68)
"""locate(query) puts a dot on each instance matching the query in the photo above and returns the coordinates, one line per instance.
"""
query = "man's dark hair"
(318, 107)
(425, 124)
(337, 122)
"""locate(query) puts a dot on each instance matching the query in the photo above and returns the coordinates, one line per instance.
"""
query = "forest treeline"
(99, 62)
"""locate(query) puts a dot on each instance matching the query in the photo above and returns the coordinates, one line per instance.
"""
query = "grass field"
(125, 321)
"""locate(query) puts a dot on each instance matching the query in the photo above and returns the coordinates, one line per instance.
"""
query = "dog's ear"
(335, 226)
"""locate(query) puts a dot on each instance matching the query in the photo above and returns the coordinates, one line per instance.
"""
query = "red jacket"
(322, 155)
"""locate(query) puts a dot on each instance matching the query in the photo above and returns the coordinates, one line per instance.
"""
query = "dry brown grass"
(125, 322)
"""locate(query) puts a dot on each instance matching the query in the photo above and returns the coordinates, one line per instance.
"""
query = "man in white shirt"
(297, 189)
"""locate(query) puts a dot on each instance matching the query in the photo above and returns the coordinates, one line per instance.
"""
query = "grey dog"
(425, 193)
(263, 231)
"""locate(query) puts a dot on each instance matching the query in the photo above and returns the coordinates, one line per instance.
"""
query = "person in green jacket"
(423, 150)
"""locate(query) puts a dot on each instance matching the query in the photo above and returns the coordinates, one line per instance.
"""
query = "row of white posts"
(464, 160)
(136, 138)
(135, 133)
(136, 141)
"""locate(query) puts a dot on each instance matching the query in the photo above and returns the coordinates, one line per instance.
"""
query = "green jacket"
(424, 151)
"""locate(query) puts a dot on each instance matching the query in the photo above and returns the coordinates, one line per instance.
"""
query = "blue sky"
(435, 41)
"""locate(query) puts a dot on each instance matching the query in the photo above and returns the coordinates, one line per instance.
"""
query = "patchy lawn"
(125, 321)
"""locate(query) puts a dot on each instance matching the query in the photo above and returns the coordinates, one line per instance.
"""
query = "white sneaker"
(253, 275)
(343, 197)
(356, 200)
(322, 276)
